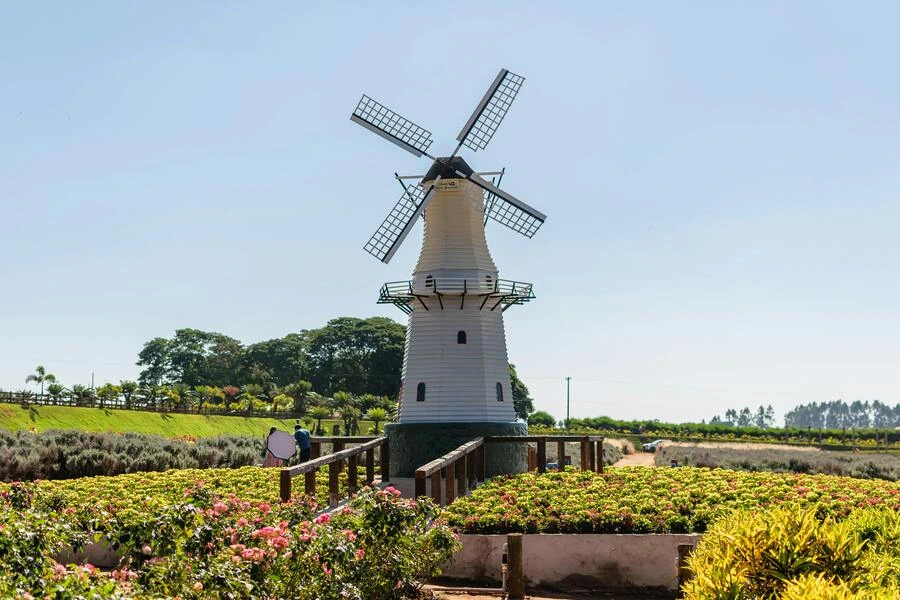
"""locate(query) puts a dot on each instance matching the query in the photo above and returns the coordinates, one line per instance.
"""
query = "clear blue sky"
(721, 184)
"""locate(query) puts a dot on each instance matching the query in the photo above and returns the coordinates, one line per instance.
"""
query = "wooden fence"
(336, 461)
(463, 468)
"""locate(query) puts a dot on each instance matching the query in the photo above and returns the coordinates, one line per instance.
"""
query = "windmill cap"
(447, 168)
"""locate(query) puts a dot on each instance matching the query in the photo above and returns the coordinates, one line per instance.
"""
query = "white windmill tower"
(456, 383)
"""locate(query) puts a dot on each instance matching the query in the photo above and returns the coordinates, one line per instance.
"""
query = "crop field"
(781, 459)
(651, 499)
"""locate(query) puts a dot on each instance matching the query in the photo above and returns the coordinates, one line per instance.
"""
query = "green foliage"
(522, 402)
(781, 460)
(541, 418)
(792, 552)
(192, 539)
(651, 499)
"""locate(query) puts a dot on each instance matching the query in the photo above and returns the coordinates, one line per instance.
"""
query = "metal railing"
(490, 294)
(335, 463)
(462, 469)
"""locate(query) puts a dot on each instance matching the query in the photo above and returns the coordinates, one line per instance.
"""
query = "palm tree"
(378, 415)
(318, 413)
(107, 392)
(350, 417)
(279, 400)
(56, 390)
(251, 394)
(180, 393)
(229, 393)
(82, 395)
(128, 389)
(299, 391)
(39, 376)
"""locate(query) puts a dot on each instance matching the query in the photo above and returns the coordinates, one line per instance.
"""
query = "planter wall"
(606, 561)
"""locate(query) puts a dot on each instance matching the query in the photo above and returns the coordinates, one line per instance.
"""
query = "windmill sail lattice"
(481, 126)
(383, 121)
(399, 222)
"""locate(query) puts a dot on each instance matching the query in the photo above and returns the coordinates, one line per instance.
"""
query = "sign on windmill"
(455, 384)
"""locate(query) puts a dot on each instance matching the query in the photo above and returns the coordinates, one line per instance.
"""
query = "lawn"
(42, 418)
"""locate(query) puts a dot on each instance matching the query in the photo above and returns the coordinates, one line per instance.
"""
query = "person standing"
(269, 459)
(304, 443)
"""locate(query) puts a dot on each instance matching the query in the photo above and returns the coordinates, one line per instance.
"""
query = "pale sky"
(721, 183)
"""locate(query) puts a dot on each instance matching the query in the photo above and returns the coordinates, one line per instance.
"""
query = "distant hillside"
(42, 418)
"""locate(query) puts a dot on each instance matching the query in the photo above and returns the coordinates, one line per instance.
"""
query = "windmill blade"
(480, 127)
(508, 210)
(380, 119)
(396, 226)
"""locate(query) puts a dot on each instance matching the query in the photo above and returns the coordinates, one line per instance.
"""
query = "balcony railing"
(446, 293)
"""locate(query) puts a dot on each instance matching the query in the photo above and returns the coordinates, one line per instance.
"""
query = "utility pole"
(568, 380)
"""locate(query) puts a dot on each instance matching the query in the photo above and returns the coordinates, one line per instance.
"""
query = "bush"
(70, 453)
(791, 553)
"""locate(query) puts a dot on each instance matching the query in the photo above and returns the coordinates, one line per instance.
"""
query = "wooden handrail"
(335, 463)
(452, 456)
(537, 438)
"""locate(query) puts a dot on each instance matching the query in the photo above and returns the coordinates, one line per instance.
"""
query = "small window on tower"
(420, 392)
(461, 337)
(499, 392)
(429, 281)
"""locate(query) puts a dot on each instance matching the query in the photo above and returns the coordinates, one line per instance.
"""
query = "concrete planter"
(605, 561)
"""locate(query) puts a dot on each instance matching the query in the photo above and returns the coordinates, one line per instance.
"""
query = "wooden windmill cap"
(447, 168)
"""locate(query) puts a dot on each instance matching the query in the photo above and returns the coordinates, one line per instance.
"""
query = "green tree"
(283, 359)
(82, 395)
(542, 418)
(251, 393)
(280, 400)
(299, 393)
(230, 393)
(180, 394)
(56, 390)
(107, 392)
(154, 358)
(356, 355)
(350, 416)
(128, 389)
(40, 376)
(318, 413)
(522, 402)
(377, 416)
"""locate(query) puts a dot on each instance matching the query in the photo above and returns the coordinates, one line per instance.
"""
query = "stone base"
(415, 444)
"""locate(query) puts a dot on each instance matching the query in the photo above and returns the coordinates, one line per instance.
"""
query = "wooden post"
(480, 461)
(450, 483)
(315, 450)
(462, 476)
(436, 487)
(516, 582)
(285, 485)
(385, 462)
(561, 456)
(542, 455)
(600, 456)
(309, 484)
(532, 459)
(592, 458)
(420, 485)
(334, 470)
(585, 455)
(683, 572)
(370, 466)
(352, 483)
(337, 446)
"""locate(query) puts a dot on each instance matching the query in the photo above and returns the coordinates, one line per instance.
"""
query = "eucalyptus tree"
(40, 376)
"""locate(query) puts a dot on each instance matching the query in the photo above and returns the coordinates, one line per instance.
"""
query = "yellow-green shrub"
(787, 552)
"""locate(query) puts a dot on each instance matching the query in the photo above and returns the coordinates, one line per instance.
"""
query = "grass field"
(42, 418)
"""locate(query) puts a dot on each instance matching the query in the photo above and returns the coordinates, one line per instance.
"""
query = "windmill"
(456, 383)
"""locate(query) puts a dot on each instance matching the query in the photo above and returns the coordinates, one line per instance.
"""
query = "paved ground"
(638, 458)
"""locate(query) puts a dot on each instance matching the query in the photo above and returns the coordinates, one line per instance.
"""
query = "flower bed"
(200, 540)
(651, 500)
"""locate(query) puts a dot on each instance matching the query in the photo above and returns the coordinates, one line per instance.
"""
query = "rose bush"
(205, 541)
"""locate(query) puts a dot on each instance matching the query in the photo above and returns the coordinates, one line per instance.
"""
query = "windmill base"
(415, 444)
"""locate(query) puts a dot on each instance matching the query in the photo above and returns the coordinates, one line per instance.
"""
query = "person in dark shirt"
(303, 442)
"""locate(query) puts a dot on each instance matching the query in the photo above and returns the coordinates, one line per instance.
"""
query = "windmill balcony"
(450, 293)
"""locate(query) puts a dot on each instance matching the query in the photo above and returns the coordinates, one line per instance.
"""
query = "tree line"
(838, 414)
(349, 369)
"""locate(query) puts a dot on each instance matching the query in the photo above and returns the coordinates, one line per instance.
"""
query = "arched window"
(499, 392)
(420, 392)
(461, 337)
(429, 281)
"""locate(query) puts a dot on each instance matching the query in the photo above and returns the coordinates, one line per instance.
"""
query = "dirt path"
(638, 458)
